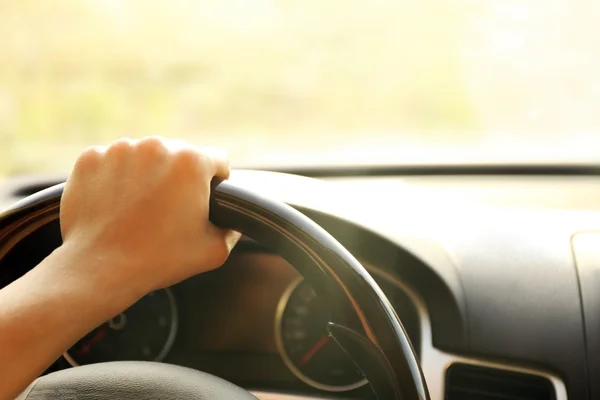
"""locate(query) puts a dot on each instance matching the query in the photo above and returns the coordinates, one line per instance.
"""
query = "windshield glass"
(302, 81)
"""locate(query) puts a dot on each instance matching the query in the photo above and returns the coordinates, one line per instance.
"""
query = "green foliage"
(88, 72)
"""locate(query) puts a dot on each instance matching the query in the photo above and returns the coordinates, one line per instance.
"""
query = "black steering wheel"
(363, 322)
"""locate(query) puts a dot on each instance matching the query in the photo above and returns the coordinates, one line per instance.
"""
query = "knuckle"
(218, 161)
(151, 148)
(120, 148)
(188, 159)
(154, 144)
(89, 158)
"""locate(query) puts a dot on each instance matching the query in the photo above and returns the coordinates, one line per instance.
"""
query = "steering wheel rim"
(364, 322)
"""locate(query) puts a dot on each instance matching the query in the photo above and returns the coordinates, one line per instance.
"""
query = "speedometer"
(143, 332)
(307, 350)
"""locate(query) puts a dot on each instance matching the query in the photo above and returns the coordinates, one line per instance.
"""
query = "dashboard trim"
(263, 395)
(436, 362)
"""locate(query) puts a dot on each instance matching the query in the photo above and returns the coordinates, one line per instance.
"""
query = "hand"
(141, 207)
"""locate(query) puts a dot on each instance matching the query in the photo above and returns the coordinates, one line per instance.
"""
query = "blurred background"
(302, 81)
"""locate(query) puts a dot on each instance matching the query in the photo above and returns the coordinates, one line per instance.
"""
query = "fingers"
(213, 160)
(89, 158)
(219, 160)
(231, 238)
(222, 242)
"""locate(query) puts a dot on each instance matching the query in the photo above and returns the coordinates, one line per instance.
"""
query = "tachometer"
(144, 332)
(301, 334)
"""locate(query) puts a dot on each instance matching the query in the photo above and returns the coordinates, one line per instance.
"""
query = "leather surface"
(132, 380)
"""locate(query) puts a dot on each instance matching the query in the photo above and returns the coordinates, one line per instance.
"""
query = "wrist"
(95, 275)
(65, 296)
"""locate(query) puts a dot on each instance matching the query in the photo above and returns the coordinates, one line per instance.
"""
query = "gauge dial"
(301, 334)
(144, 332)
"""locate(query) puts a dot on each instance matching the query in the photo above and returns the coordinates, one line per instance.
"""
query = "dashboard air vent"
(468, 382)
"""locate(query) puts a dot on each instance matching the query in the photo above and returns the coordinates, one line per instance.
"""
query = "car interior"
(496, 295)
(417, 185)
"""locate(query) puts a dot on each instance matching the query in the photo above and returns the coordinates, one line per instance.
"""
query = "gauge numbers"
(143, 332)
(306, 348)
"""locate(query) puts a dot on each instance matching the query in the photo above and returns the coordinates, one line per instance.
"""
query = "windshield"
(302, 81)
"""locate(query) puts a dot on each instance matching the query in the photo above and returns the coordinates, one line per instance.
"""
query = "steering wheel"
(363, 322)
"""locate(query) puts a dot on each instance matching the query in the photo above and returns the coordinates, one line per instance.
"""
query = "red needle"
(95, 339)
(313, 350)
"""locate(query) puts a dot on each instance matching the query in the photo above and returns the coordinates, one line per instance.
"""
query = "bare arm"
(46, 311)
(134, 218)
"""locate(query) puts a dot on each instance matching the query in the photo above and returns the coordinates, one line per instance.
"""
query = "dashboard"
(253, 322)
(494, 279)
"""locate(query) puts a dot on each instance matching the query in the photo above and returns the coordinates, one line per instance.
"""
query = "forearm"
(47, 310)
(134, 218)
